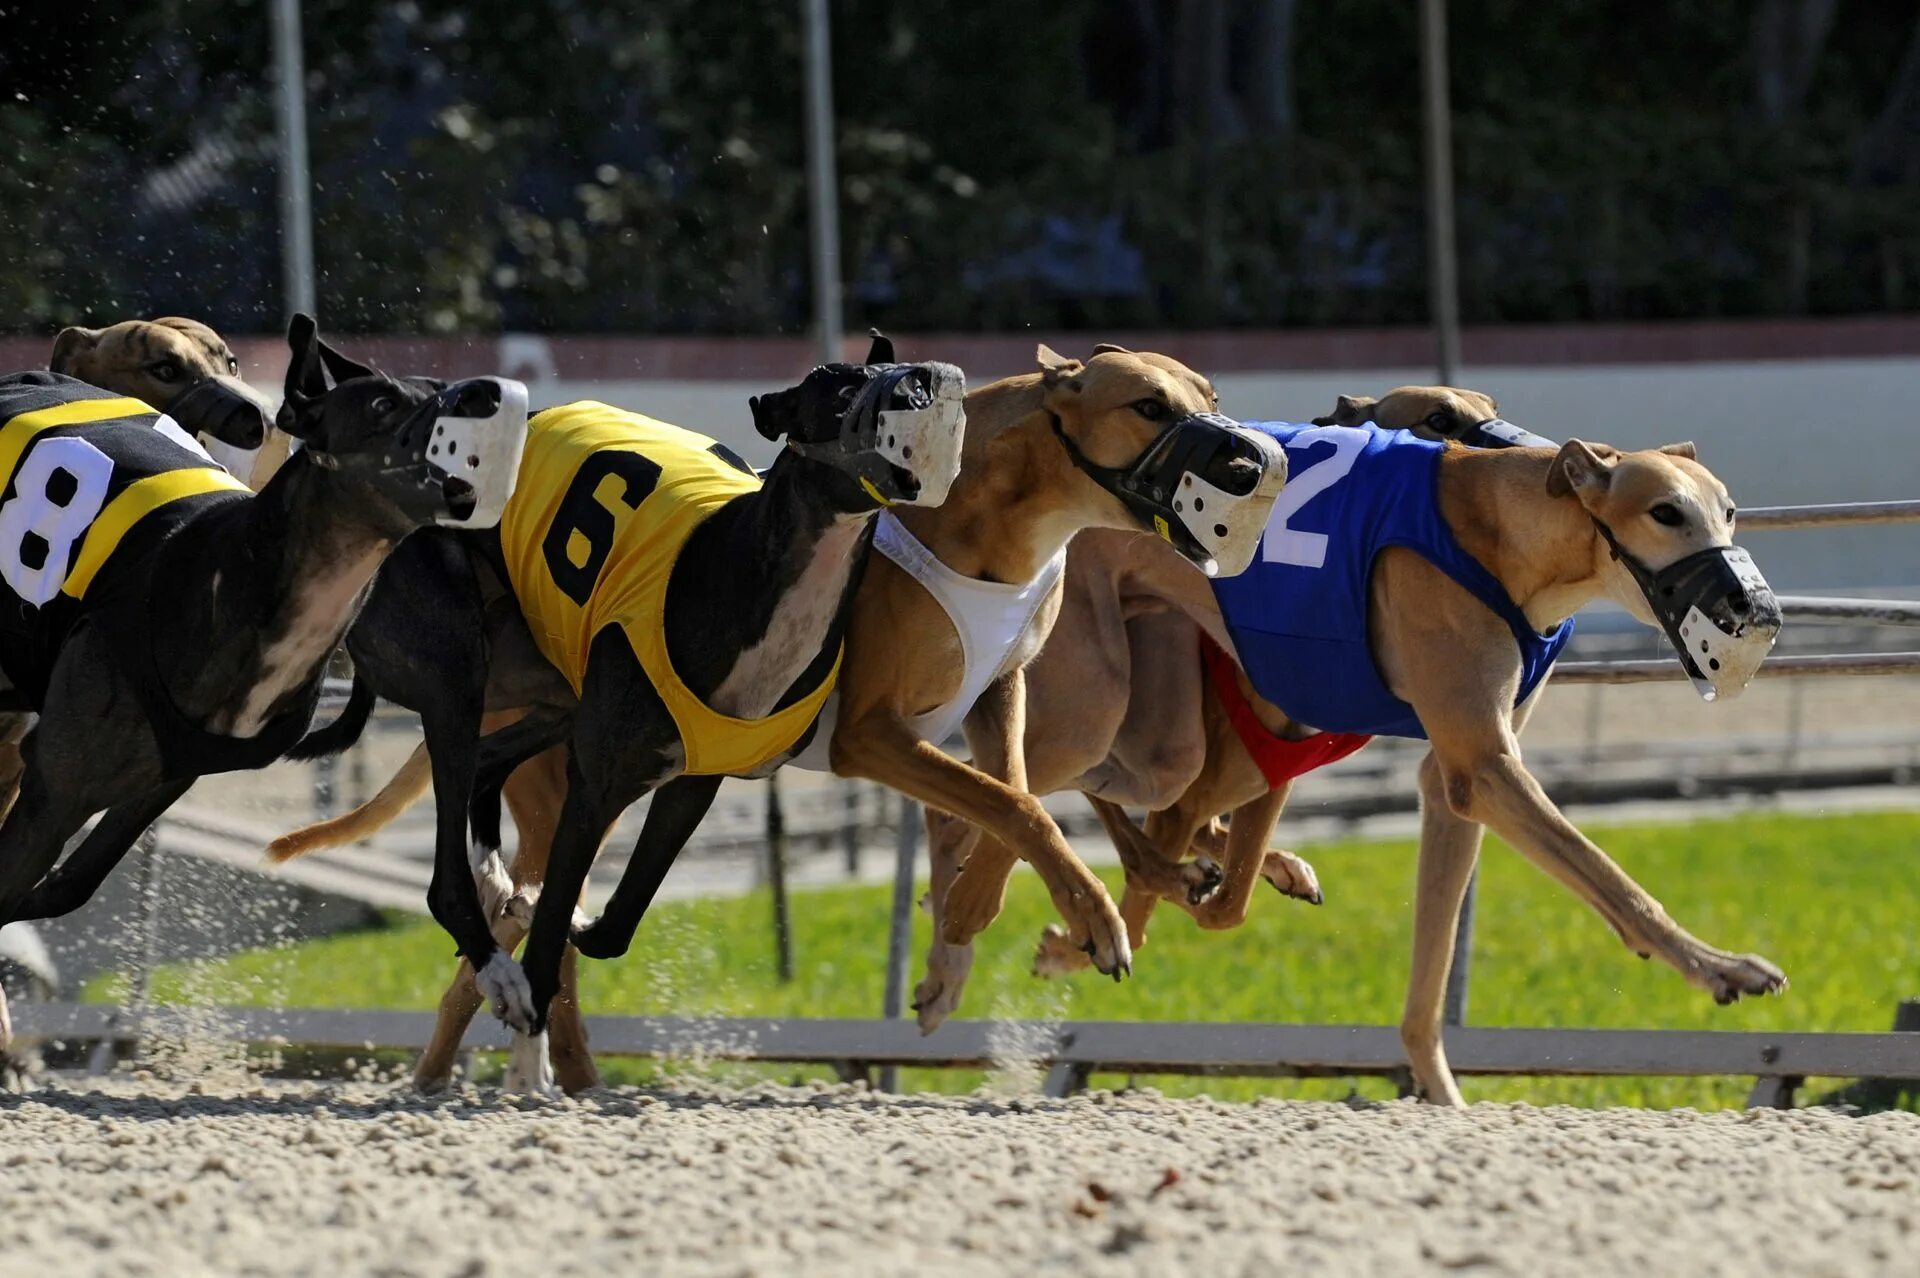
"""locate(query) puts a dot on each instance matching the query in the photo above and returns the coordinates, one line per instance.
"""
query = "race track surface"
(152, 1178)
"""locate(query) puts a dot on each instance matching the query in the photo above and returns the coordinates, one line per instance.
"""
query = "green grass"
(1832, 900)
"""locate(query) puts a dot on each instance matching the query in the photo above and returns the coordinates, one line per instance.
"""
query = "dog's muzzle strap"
(1721, 651)
(1496, 432)
(1148, 487)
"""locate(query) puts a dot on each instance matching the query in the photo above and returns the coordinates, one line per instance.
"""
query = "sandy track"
(339, 1180)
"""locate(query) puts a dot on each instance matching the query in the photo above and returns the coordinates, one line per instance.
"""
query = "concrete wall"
(1779, 432)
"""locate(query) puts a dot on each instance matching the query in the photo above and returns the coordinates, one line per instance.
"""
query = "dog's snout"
(476, 399)
(1739, 605)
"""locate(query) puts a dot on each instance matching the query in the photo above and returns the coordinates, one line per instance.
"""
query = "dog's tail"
(343, 731)
(395, 797)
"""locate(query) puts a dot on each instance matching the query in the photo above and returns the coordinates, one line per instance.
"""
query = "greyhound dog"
(695, 612)
(178, 366)
(1460, 620)
(166, 625)
(1073, 446)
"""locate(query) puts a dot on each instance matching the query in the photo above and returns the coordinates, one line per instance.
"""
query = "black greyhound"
(167, 625)
(755, 603)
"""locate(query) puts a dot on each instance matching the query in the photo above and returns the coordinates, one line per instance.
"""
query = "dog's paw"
(1057, 955)
(1292, 876)
(504, 986)
(1202, 877)
(593, 938)
(1091, 913)
(937, 996)
(1728, 976)
(529, 1071)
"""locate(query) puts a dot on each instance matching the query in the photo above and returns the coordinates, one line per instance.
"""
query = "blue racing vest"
(1298, 616)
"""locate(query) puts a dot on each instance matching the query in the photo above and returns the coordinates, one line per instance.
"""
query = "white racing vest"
(989, 616)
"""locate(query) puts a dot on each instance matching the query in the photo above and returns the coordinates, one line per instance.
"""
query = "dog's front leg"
(878, 745)
(1485, 781)
(73, 883)
(950, 841)
(42, 820)
(676, 811)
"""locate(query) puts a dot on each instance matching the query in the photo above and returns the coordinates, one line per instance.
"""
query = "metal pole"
(777, 876)
(823, 188)
(290, 115)
(900, 934)
(1443, 286)
(850, 826)
(1443, 276)
(1455, 1009)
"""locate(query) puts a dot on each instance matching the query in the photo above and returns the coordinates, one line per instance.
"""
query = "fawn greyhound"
(165, 624)
(1122, 440)
(1453, 610)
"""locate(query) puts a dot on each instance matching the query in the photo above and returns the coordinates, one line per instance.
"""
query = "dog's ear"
(773, 415)
(1349, 410)
(1055, 368)
(1108, 348)
(73, 345)
(342, 368)
(1581, 469)
(881, 352)
(1684, 449)
(306, 383)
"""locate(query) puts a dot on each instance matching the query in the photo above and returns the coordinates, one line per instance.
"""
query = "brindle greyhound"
(188, 632)
(1122, 712)
(1021, 495)
(180, 366)
(755, 607)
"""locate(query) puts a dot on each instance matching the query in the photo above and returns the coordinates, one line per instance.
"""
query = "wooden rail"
(1073, 1052)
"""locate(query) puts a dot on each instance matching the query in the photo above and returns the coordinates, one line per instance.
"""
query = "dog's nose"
(1739, 605)
(476, 399)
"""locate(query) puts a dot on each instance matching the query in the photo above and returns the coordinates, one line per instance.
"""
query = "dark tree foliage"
(637, 165)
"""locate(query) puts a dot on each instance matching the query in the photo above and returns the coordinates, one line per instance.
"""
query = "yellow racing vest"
(605, 500)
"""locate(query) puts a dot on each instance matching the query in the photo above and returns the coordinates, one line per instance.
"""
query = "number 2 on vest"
(1284, 545)
(582, 512)
(57, 494)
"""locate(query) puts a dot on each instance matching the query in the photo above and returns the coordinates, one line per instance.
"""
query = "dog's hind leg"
(1449, 849)
(73, 883)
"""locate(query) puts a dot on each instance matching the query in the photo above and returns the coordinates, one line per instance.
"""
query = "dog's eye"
(164, 371)
(1731, 512)
(1667, 513)
(382, 405)
(1151, 409)
(233, 366)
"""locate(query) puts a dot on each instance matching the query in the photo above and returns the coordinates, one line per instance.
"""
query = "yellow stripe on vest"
(135, 502)
(24, 429)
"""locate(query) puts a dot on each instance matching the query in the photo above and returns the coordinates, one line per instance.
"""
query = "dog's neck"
(291, 568)
(759, 598)
(1544, 550)
(1019, 499)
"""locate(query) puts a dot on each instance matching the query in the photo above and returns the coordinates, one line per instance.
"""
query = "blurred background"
(1667, 221)
(584, 166)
